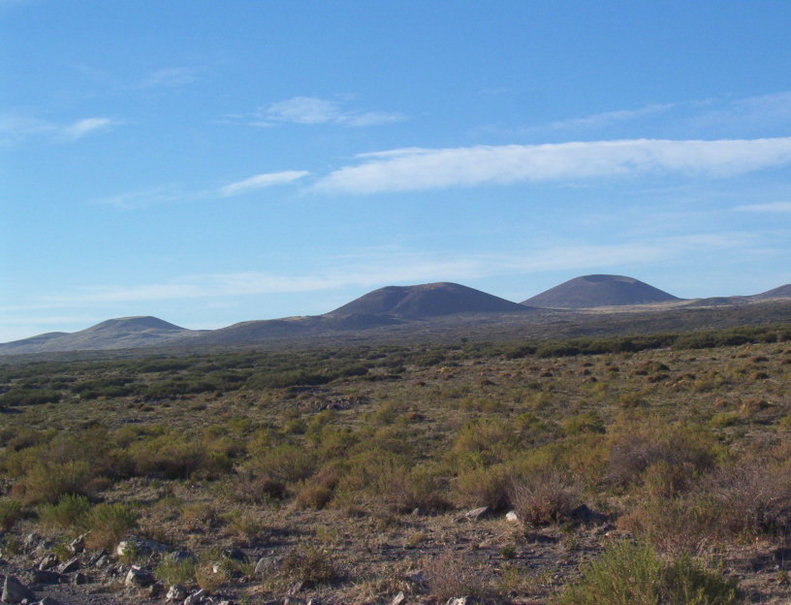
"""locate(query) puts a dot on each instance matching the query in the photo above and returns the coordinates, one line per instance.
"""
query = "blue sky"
(213, 162)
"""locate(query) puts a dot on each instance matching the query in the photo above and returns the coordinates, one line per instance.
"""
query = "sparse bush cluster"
(679, 439)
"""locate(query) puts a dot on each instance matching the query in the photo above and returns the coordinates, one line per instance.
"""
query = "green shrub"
(420, 488)
(285, 463)
(487, 486)
(109, 523)
(10, 513)
(310, 566)
(630, 574)
(48, 481)
(70, 511)
(449, 576)
(172, 572)
(544, 496)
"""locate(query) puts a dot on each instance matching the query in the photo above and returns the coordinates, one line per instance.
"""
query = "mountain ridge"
(400, 307)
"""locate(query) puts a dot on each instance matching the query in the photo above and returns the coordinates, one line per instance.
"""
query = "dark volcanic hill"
(599, 291)
(121, 333)
(424, 301)
(780, 292)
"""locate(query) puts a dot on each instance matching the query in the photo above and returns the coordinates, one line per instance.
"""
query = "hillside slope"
(119, 333)
(425, 301)
(599, 291)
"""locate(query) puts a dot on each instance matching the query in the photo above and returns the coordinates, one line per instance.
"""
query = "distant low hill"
(781, 292)
(425, 301)
(599, 291)
(120, 333)
(407, 311)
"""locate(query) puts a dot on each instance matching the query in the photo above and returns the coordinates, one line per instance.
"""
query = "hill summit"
(599, 291)
(122, 332)
(426, 300)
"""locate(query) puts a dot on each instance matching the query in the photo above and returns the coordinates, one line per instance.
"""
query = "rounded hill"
(426, 300)
(599, 291)
(142, 323)
(780, 292)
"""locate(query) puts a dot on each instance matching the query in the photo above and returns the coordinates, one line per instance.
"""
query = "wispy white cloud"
(170, 77)
(375, 270)
(609, 118)
(175, 194)
(16, 128)
(415, 169)
(262, 181)
(767, 207)
(153, 196)
(312, 111)
(80, 128)
(748, 112)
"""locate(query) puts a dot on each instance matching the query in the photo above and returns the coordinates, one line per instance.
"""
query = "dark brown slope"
(424, 301)
(599, 291)
(120, 333)
(780, 292)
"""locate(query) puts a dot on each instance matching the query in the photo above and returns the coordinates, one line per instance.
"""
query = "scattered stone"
(139, 546)
(31, 540)
(459, 601)
(102, 560)
(70, 566)
(179, 555)
(399, 599)
(416, 577)
(266, 565)
(295, 588)
(79, 578)
(16, 592)
(583, 514)
(478, 513)
(156, 590)
(196, 598)
(234, 553)
(48, 561)
(47, 601)
(77, 545)
(139, 577)
(43, 576)
(511, 516)
(176, 593)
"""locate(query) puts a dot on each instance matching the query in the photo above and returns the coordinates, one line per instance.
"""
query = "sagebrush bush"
(109, 524)
(258, 489)
(318, 491)
(449, 575)
(47, 482)
(631, 574)
(489, 486)
(420, 488)
(544, 496)
(173, 456)
(285, 463)
(172, 572)
(752, 497)
(311, 566)
(636, 447)
(10, 513)
(674, 526)
(70, 511)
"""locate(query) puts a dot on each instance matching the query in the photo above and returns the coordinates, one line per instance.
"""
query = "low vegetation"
(641, 469)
